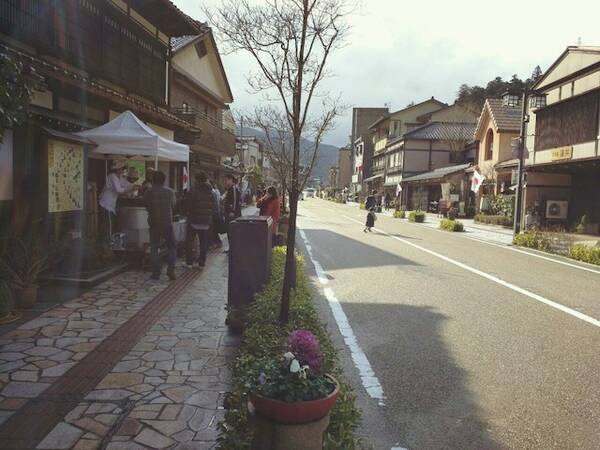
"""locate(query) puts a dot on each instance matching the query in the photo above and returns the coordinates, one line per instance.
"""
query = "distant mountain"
(328, 154)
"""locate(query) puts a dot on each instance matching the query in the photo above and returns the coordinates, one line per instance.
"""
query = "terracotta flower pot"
(26, 297)
(297, 412)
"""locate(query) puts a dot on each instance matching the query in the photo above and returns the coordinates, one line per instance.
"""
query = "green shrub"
(416, 216)
(504, 221)
(532, 239)
(451, 225)
(362, 205)
(585, 253)
(264, 337)
(400, 214)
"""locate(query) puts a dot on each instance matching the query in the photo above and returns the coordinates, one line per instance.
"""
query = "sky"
(402, 51)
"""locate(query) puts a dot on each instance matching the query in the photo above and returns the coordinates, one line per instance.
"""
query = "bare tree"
(291, 41)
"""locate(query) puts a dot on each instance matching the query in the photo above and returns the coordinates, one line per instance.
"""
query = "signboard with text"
(562, 153)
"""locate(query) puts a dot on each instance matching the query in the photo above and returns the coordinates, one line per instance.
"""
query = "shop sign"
(65, 176)
(562, 153)
(6, 166)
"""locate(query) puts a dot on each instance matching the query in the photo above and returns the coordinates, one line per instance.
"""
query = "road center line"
(367, 375)
(515, 288)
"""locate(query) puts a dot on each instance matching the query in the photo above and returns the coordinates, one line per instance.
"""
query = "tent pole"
(107, 211)
(156, 162)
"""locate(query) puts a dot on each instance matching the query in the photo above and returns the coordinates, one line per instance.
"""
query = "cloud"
(400, 51)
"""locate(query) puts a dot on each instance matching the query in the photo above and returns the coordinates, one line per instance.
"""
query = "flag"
(476, 181)
(398, 189)
(185, 178)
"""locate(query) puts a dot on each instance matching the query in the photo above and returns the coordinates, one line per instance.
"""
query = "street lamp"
(521, 157)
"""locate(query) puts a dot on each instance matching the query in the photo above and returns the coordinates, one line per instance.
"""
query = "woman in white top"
(112, 189)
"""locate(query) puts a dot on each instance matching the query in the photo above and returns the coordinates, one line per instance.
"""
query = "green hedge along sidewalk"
(264, 339)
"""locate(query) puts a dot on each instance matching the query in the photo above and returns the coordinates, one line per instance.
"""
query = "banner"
(65, 176)
(6, 166)
(476, 181)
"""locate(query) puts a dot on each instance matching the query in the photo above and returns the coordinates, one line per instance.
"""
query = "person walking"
(160, 202)
(232, 203)
(371, 218)
(268, 205)
(217, 223)
(200, 208)
(371, 201)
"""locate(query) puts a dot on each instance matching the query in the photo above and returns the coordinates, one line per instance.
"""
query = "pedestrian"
(269, 205)
(371, 201)
(200, 209)
(371, 218)
(160, 202)
(232, 203)
(113, 187)
(388, 200)
(217, 223)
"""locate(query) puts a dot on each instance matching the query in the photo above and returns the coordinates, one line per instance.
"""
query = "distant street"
(474, 346)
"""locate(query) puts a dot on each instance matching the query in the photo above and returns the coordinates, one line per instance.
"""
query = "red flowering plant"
(296, 375)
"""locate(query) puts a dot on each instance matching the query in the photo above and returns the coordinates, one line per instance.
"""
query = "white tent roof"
(126, 135)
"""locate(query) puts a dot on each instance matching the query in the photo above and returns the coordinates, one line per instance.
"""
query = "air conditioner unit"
(557, 209)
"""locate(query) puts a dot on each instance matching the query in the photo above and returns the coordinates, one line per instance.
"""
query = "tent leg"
(156, 163)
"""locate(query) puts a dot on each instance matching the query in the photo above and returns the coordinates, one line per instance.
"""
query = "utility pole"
(519, 193)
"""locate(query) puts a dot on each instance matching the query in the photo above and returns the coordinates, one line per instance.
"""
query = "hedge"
(416, 216)
(400, 214)
(585, 253)
(532, 239)
(451, 225)
(263, 337)
(504, 221)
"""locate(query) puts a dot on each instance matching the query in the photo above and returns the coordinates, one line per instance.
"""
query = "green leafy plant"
(451, 225)
(400, 214)
(503, 205)
(264, 337)
(416, 216)
(22, 262)
(585, 253)
(532, 239)
(494, 220)
(6, 298)
(16, 90)
(362, 205)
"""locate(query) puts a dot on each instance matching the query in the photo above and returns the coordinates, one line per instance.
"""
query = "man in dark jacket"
(232, 204)
(160, 201)
(200, 208)
(371, 201)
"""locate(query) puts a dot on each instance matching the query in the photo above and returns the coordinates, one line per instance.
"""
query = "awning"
(126, 135)
(373, 178)
(437, 174)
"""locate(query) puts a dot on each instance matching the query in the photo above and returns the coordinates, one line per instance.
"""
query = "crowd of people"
(208, 214)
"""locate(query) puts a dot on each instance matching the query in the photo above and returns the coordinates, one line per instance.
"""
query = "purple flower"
(305, 346)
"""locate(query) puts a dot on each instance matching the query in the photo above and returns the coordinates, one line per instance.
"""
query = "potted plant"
(22, 264)
(7, 314)
(292, 389)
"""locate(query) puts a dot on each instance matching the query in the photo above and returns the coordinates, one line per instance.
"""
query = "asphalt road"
(475, 346)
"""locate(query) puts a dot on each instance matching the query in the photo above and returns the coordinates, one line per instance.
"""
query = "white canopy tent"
(128, 136)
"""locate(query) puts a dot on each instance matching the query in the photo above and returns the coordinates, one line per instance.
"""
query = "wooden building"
(97, 59)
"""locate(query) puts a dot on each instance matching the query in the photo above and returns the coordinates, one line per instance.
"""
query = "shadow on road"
(346, 253)
(429, 405)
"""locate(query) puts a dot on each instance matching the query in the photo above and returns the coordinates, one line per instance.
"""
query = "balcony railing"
(380, 145)
(213, 136)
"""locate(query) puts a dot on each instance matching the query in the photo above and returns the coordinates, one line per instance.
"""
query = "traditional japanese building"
(562, 182)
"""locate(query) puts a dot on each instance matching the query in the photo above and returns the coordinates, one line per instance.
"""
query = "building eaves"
(436, 174)
(442, 131)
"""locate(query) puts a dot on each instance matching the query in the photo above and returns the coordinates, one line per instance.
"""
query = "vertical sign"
(6, 166)
(65, 176)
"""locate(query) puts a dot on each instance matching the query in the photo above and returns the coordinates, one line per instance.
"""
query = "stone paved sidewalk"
(165, 392)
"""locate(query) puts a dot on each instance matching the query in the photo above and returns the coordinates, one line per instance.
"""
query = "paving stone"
(184, 436)
(209, 434)
(201, 420)
(154, 373)
(61, 356)
(120, 380)
(52, 330)
(158, 355)
(204, 399)
(5, 415)
(89, 424)
(170, 412)
(108, 394)
(144, 414)
(12, 403)
(167, 427)
(87, 444)
(42, 351)
(16, 347)
(106, 419)
(12, 356)
(125, 446)
(67, 341)
(44, 364)
(76, 413)
(176, 379)
(141, 388)
(82, 324)
(62, 436)
(83, 347)
(153, 439)
(164, 365)
(57, 371)
(10, 366)
(129, 427)
(38, 323)
(24, 375)
(101, 408)
(24, 390)
(126, 366)
(179, 394)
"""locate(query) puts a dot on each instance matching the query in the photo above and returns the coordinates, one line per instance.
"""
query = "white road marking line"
(367, 375)
(508, 247)
(515, 288)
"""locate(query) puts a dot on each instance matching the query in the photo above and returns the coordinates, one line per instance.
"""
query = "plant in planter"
(22, 264)
(292, 389)
(7, 314)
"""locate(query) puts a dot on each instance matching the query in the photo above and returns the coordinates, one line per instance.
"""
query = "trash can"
(249, 258)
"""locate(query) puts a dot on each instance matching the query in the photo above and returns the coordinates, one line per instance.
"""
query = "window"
(489, 145)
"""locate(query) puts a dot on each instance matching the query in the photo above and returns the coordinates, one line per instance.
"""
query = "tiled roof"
(506, 118)
(385, 116)
(437, 173)
(443, 131)
(178, 43)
